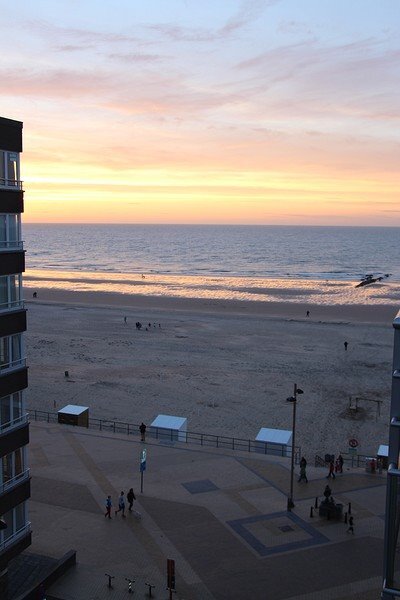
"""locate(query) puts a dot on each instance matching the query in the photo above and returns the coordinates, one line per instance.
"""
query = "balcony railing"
(14, 305)
(11, 245)
(11, 183)
(14, 423)
(13, 481)
(12, 539)
(18, 363)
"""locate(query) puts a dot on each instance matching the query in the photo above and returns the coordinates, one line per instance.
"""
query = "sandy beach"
(226, 366)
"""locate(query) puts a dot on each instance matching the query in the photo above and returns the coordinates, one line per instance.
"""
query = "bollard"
(316, 502)
(110, 577)
(349, 508)
(311, 512)
(151, 586)
(345, 517)
(130, 584)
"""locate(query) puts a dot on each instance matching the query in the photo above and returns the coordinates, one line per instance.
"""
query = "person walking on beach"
(130, 497)
(142, 430)
(108, 507)
(331, 470)
(125, 320)
(303, 474)
(308, 313)
(121, 505)
(345, 345)
(350, 528)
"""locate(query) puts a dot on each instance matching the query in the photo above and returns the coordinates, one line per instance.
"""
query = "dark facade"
(15, 534)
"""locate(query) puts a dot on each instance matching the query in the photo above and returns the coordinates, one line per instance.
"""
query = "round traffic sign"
(353, 443)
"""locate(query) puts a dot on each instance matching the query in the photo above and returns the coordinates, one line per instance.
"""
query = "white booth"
(74, 415)
(168, 427)
(274, 441)
(383, 455)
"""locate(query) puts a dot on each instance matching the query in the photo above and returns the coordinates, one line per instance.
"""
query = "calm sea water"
(245, 262)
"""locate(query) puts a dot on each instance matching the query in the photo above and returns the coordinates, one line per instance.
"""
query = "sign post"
(170, 576)
(143, 456)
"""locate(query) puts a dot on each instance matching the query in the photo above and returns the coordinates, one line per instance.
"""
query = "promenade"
(221, 515)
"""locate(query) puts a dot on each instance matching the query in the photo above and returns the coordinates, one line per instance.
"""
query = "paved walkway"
(220, 515)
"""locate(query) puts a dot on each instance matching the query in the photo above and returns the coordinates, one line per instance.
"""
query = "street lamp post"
(293, 400)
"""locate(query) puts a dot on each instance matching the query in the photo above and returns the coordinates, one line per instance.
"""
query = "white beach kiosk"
(168, 427)
(274, 441)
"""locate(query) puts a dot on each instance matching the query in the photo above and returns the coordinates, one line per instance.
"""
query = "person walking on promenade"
(350, 528)
(142, 430)
(108, 507)
(331, 470)
(345, 345)
(303, 465)
(121, 505)
(130, 497)
(340, 463)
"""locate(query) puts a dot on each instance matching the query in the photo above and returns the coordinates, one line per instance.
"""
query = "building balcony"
(9, 485)
(14, 184)
(11, 245)
(13, 365)
(14, 424)
(14, 305)
(11, 200)
(15, 544)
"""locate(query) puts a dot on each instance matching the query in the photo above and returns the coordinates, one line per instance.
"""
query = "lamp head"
(291, 399)
(299, 391)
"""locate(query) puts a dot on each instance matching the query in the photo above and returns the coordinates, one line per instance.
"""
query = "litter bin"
(370, 465)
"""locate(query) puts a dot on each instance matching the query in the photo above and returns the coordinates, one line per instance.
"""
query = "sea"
(228, 262)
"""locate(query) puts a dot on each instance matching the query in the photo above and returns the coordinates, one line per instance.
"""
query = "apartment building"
(15, 534)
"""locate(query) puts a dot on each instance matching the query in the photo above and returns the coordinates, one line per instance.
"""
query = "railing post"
(201, 440)
(114, 425)
(48, 417)
(128, 428)
(233, 443)
(217, 441)
(100, 424)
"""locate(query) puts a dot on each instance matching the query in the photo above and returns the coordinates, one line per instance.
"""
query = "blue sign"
(143, 455)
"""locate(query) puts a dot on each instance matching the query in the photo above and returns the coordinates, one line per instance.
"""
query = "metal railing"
(6, 244)
(173, 435)
(14, 364)
(13, 481)
(351, 460)
(14, 423)
(13, 305)
(11, 183)
(15, 536)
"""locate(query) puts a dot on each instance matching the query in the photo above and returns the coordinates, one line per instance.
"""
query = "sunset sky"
(211, 111)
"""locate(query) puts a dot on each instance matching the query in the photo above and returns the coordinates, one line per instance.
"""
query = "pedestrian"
(142, 430)
(351, 525)
(308, 313)
(303, 465)
(331, 470)
(130, 497)
(121, 504)
(125, 320)
(108, 507)
(345, 345)
(340, 461)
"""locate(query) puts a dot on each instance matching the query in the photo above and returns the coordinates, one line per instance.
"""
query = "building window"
(10, 351)
(11, 410)
(9, 168)
(10, 291)
(10, 231)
